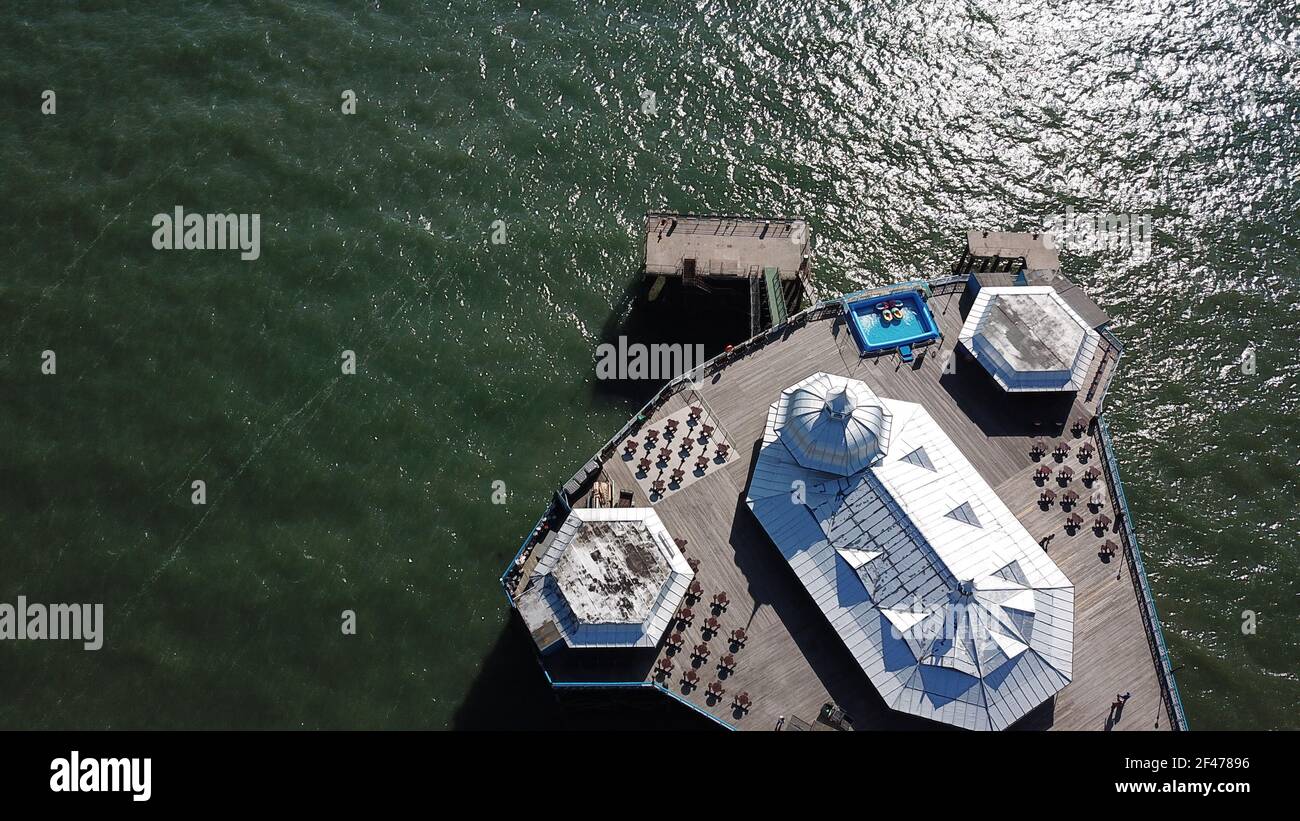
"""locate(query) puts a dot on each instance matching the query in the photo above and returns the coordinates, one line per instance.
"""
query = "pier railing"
(1146, 602)
(730, 225)
(1133, 557)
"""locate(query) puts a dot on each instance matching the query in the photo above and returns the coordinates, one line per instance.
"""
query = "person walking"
(1119, 705)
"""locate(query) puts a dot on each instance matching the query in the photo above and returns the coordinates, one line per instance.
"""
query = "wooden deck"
(724, 246)
(793, 662)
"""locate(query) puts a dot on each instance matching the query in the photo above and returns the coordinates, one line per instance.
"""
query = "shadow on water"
(679, 315)
(511, 693)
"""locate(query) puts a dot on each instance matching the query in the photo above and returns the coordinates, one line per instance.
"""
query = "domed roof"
(981, 624)
(833, 424)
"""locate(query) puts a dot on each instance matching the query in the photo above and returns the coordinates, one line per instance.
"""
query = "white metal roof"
(1029, 339)
(961, 619)
(611, 577)
(832, 424)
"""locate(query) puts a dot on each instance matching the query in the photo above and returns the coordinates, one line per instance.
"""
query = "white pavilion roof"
(1029, 339)
(611, 577)
(833, 424)
(951, 608)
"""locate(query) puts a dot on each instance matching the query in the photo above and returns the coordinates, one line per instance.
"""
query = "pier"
(766, 256)
(791, 664)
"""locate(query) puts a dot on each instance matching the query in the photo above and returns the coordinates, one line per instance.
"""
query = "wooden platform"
(724, 247)
(793, 662)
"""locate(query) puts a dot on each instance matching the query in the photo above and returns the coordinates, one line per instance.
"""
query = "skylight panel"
(964, 513)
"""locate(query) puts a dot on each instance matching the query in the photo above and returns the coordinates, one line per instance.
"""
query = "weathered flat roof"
(612, 572)
(1033, 335)
(611, 577)
(1029, 339)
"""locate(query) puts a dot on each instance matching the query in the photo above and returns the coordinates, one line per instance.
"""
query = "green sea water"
(893, 126)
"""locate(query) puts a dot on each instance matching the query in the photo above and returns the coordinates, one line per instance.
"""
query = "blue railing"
(596, 685)
(893, 288)
(694, 707)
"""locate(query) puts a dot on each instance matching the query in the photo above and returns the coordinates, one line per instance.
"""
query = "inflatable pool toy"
(890, 309)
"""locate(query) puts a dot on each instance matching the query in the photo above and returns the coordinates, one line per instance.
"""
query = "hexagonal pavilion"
(610, 577)
(1029, 339)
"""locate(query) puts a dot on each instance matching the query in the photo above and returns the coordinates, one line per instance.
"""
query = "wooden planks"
(1111, 652)
(723, 246)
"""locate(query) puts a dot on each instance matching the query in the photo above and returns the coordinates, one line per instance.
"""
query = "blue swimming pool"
(874, 331)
